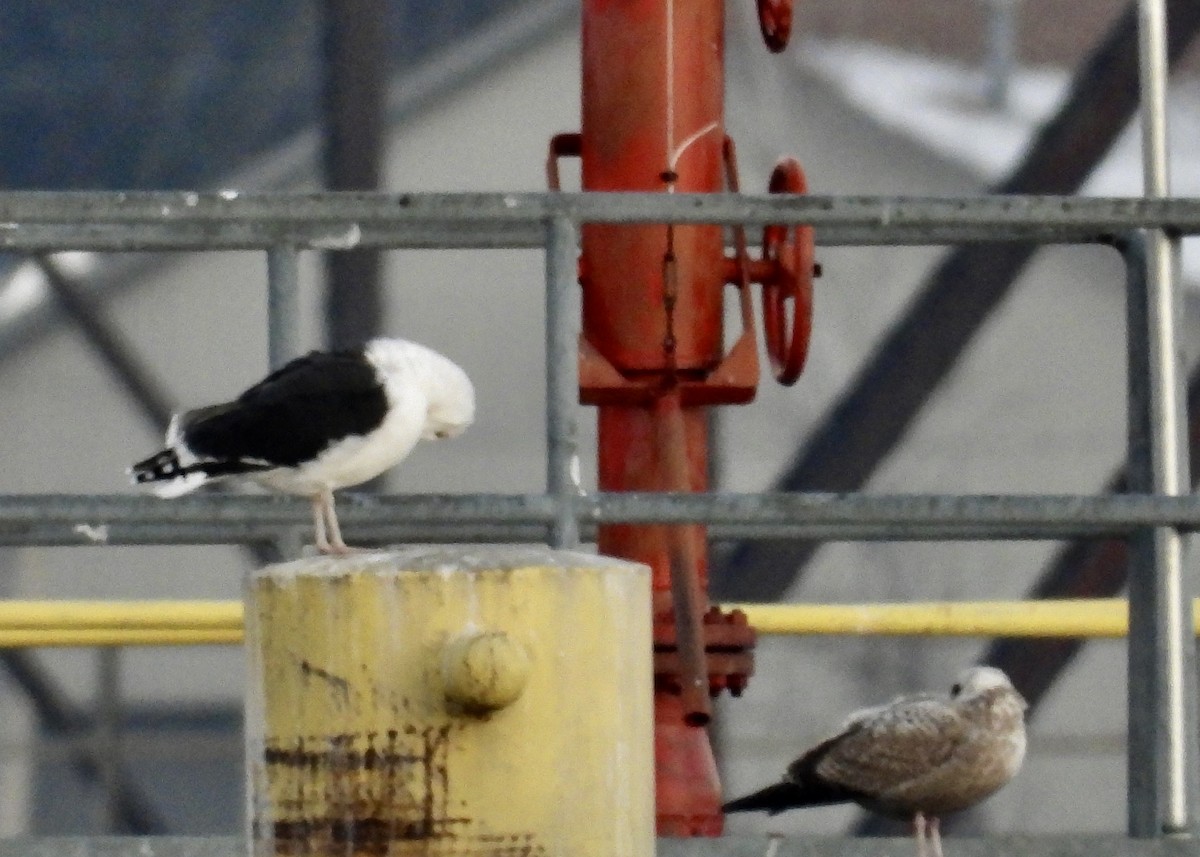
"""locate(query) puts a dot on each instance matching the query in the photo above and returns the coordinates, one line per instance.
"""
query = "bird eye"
(442, 435)
(956, 690)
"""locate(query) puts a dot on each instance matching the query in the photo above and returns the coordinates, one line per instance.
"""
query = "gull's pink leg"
(318, 510)
(336, 545)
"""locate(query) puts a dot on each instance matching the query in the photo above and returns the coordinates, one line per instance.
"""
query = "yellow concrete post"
(450, 701)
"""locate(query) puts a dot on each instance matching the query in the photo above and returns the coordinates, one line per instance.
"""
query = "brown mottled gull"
(917, 757)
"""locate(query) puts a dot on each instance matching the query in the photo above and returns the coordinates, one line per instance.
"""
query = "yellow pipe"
(153, 623)
(24, 638)
(1099, 617)
(180, 615)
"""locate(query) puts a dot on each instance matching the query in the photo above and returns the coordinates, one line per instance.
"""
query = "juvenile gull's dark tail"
(785, 795)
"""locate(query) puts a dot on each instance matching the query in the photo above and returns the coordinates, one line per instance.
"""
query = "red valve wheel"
(775, 22)
(790, 249)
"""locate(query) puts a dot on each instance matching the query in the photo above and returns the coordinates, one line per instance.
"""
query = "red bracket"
(566, 145)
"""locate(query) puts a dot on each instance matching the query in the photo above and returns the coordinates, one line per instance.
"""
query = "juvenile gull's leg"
(919, 832)
(935, 830)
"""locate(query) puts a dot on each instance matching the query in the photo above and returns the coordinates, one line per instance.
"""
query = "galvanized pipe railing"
(283, 305)
(1163, 758)
(49, 221)
(562, 381)
(126, 519)
(283, 224)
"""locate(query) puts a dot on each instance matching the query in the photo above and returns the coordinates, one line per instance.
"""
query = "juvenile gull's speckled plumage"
(321, 422)
(918, 757)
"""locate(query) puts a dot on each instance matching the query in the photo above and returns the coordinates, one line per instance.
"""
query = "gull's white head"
(449, 394)
(975, 681)
(451, 402)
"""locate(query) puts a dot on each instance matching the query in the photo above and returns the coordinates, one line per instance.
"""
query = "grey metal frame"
(1162, 761)
(33, 221)
(1162, 766)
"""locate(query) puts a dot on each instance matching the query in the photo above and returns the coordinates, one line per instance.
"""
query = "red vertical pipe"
(653, 101)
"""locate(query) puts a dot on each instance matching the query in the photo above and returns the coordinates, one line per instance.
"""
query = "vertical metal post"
(355, 53)
(108, 737)
(1142, 764)
(1162, 694)
(1162, 707)
(562, 379)
(283, 305)
(283, 341)
(1001, 50)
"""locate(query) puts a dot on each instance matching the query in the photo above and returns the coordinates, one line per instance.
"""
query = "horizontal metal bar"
(372, 519)
(234, 235)
(45, 238)
(1060, 845)
(256, 532)
(165, 220)
(1118, 213)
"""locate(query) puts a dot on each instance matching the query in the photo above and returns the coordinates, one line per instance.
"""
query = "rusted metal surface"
(728, 643)
(345, 812)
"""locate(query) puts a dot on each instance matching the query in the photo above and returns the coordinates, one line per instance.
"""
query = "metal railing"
(1162, 706)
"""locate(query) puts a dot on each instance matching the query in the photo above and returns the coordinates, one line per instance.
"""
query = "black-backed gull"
(321, 422)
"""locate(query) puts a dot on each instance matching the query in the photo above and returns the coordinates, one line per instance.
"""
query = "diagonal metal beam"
(132, 807)
(872, 417)
(148, 396)
(146, 393)
(134, 811)
(355, 77)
